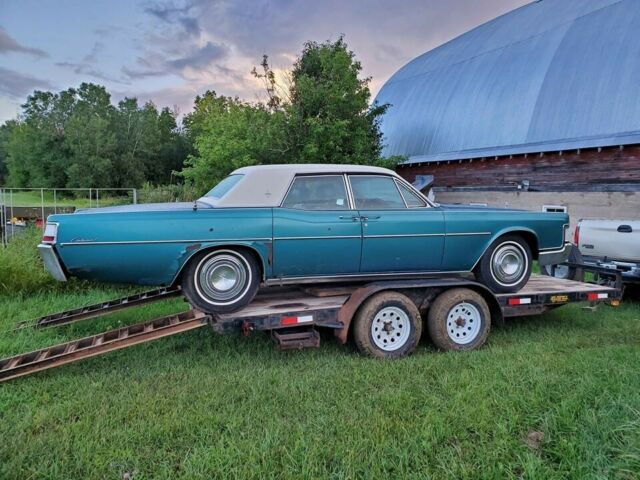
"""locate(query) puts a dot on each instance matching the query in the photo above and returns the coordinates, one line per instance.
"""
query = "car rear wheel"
(459, 319)
(221, 281)
(506, 265)
(388, 325)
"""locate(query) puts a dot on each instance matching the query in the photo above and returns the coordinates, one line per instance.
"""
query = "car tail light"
(576, 235)
(50, 233)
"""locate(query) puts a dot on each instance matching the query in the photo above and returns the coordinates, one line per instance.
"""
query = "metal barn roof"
(552, 75)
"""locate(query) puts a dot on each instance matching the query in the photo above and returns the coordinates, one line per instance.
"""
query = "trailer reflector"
(597, 296)
(519, 301)
(296, 320)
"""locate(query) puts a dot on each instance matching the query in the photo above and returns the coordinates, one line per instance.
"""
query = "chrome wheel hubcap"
(508, 263)
(463, 323)
(221, 278)
(390, 329)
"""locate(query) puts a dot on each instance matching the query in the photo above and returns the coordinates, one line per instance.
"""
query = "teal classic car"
(293, 224)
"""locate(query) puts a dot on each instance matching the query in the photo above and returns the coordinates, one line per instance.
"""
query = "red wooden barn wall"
(584, 170)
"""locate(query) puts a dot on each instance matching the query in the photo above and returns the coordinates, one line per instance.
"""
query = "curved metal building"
(553, 75)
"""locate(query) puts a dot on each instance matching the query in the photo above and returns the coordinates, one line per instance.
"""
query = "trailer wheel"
(459, 319)
(388, 325)
(221, 281)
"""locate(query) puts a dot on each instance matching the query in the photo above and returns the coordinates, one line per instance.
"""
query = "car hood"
(143, 207)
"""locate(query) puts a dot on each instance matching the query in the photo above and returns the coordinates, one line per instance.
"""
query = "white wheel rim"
(390, 329)
(560, 271)
(463, 323)
(509, 263)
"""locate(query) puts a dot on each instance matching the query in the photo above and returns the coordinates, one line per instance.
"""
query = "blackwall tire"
(221, 281)
(564, 271)
(506, 265)
(459, 320)
(387, 325)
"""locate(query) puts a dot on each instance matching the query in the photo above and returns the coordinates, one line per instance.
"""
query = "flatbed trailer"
(373, 313)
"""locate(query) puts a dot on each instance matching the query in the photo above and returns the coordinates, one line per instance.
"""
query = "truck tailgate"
(613, 239)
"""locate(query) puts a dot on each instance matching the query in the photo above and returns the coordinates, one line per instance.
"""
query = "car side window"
(410, 197)
(325, 192)
(375, 192)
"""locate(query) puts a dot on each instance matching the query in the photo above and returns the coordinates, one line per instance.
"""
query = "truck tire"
(564, 271)
(459, 319)
(506, 265)
(387, 325)
(221, 281)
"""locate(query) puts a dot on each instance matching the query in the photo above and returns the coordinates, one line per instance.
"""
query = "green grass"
(553, 396)
(32, 198)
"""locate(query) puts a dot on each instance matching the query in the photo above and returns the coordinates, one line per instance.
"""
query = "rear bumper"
(52, 262)
(555, 257)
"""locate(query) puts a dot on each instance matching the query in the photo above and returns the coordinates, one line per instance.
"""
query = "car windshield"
(222, 188)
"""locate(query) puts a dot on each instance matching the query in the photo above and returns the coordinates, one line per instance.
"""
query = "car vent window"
(412, 200)
(375, 193)
(317, 193)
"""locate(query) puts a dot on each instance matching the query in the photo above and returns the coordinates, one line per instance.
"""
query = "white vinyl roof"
(266, 185)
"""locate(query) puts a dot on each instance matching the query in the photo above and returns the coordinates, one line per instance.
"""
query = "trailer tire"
(458, 320)
(221, 281)
(387, 325)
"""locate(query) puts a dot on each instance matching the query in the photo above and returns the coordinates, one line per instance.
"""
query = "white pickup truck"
(611, 243)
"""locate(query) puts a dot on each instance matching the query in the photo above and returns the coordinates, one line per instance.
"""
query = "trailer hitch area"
(247, 328)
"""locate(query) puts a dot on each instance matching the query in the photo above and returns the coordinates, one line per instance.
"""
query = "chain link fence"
(21, 207)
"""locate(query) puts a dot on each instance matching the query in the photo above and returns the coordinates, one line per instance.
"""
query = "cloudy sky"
(169, 51)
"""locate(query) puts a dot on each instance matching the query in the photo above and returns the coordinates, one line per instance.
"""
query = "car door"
(315, 231)
(401, 231)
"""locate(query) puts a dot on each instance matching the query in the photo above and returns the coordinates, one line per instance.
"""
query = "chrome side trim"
(360, 276)
(217, 240)
(337, 237)
(463, 234)
(407, 235)
(144, 242)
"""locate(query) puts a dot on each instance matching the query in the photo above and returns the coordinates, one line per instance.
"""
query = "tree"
(329, 118)
(322, 115)
(228, 134)
(77, 138)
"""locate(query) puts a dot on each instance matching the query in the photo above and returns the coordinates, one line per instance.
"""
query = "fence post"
(97, 197)
(42, 206)
(55, 202)
(3, 224)
(135, 195)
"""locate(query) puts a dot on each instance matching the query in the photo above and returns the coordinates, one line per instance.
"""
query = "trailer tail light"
(519, 301)
(597, 296)
(576, 236)
(50, 233)
(296, 320)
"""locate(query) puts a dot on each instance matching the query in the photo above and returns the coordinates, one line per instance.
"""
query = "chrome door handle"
(353, 218)
(375, 217)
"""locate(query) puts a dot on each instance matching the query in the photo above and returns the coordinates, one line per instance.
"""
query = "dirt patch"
(534, 439)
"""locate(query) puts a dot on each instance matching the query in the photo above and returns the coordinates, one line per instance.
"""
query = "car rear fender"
(530, 236)
(261, 251)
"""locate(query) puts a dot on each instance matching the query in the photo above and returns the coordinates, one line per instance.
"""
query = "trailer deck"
(292, 315)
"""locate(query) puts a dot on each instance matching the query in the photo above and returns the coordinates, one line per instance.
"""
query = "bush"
(167, 193)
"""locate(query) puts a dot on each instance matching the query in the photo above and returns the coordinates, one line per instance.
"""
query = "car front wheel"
(221, 281)
(506, 265)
